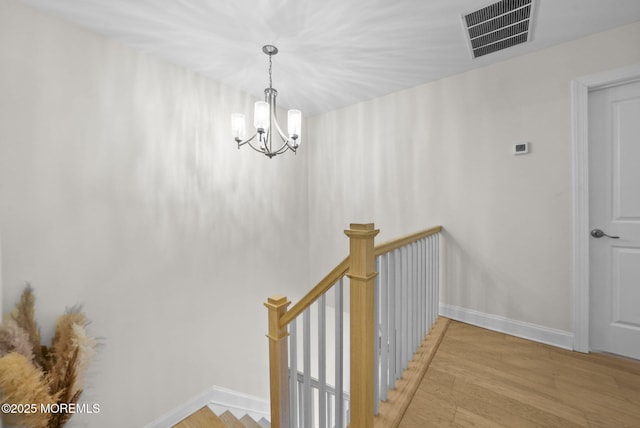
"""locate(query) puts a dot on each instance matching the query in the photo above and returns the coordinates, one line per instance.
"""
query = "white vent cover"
(498, 26)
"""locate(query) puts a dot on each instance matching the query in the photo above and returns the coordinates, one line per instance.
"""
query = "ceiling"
(333, 53)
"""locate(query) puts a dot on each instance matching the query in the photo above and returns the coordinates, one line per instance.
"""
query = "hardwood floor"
(479, 378)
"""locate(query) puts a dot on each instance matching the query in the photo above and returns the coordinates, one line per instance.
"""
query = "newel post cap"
(362, 230)
(277, 301)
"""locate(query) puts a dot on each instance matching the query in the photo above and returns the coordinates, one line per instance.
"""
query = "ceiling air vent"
(498, 26)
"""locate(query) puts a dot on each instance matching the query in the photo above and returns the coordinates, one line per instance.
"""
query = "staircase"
(392, 322)
(217, 407)
(393, 304)
(205, 418)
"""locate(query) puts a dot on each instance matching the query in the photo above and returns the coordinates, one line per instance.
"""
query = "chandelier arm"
(283, 148)
(257, 149)
(280, 150)
(286, 140)
(248, 140)
(288, 147)
(282, 134)
(292, 147)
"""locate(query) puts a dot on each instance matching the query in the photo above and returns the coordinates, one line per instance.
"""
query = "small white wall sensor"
(521, 148)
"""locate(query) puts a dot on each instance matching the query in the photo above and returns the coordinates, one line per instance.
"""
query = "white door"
(614, 219)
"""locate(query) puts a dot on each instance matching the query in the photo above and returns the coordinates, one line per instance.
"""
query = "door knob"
(597, 233)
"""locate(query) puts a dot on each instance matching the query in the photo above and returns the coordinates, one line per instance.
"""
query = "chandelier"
(268, 138)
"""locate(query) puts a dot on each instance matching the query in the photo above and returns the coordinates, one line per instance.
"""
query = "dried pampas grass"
(21, 383)
(13, 338)
(64, 345)
(32, 373)
(23, 315)
(86, 347)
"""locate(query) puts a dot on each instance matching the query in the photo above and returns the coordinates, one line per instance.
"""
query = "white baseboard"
(219, 400)
(537, 333)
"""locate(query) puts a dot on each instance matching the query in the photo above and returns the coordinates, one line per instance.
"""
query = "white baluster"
(410, 282)
(432, 269)
(339, 398)
(293, 373)
(405, 309)
(384, 325)
(300, 409)
(420, 289)
(376, 342)
(430, 280)
(424, 288)
(416, 300)
(399, 308)
(306, 357)
(322, 362)
(391, 279)
(436, 267)
(427, 299)
(427, 277)
(330, 414)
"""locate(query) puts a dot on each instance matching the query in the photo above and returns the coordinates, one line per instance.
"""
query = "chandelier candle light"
(265, 122)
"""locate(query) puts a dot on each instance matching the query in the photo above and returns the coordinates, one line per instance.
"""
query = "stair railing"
(406, 304)
(335, 415)
(389, 316)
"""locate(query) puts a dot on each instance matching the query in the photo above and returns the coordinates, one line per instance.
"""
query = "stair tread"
(248, 422)
(230, 420)
(203, 418)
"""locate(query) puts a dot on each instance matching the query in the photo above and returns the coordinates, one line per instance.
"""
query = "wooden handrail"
(387, 247)
(343, 267)
(323, 286)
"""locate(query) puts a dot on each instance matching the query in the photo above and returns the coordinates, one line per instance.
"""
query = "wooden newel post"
(362, 274)
(278, 366)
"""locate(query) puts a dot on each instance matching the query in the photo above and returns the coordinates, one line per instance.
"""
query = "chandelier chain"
(270, 64)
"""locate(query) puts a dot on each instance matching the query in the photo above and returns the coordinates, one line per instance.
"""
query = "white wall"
(121, 189)
(440, 153)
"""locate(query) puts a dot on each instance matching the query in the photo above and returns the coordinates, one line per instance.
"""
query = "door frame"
(580, 88)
